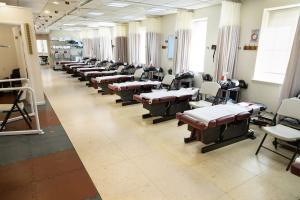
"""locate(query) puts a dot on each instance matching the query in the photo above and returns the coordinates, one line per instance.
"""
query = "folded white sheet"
(207, 114)
(89, 68)
(156, 94)
(136, 83)
(99, 79)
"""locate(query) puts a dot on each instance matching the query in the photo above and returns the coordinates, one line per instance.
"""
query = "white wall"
(8, 56)
(251, 18)
(20, 16)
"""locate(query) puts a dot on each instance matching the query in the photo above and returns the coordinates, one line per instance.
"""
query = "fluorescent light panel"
(69, 24)
(95, 13)
(55, 2)
(2, 4)
(118, 4)
(152, 10)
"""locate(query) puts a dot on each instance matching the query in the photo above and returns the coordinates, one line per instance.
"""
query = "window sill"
(266, 82)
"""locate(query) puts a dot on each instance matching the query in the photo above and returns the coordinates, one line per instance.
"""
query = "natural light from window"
(198, 43)
(42, 46)
(275, 44)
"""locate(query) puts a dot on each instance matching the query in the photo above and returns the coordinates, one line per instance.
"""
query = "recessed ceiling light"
(55, 2)
(98, 24)
(2, 4)
(118, 4)
(69, 24)
(47, 12)
(95, 13)
(156, 10)
(127, 17)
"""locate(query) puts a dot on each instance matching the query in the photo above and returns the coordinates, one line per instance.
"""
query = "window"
(42, 46)
(171, 41)
(277, 36)
(198, 43)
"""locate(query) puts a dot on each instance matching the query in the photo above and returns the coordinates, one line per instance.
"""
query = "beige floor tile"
(259, 189)
(118, 179)
(148, 192)
(223, 173)
(128, 157)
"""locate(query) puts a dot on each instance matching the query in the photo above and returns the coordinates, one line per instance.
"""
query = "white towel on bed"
(99, 79)
(136, 83)
(207, 114)
(156, 94)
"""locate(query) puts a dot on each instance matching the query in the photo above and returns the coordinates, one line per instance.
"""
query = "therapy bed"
(70, 67)
(126, 90)
(87, 75)
(103, 82)
(220, 125)
(165, 104)
(295, 169)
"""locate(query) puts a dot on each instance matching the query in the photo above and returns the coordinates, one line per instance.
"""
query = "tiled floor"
(42, 167)
(128, 158)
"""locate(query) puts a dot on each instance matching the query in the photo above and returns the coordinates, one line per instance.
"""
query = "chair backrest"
(290, 108)
(120, 68)
(210, 88)
(168, 80)
(198, 80)
(138, 73)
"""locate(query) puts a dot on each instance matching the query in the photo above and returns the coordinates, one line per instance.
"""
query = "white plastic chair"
(289, 108)
(207, 89)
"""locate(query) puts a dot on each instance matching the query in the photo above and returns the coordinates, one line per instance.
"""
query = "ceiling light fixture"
(98, 24)
(118, 4)
(154, 10)
(127, 17)
(95, 13)
(47, 12)
(2, 4)
(55, 2)
(69, 24)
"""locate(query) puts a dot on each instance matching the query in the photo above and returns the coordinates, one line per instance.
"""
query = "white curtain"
(120, 43)
(105, 44)
(182, 44)
(291, 83)
(97, 43)
(228, 39)
(153, 41)
(134, 43)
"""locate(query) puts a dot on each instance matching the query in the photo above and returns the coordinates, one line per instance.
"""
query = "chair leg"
(292, 159)
(261, 143)
(4, 122)
(26, 113)
(24, 117)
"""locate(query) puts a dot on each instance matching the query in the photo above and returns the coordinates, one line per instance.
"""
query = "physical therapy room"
(147, 99)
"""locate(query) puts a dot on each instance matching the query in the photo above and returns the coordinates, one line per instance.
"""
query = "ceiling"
(75, 14)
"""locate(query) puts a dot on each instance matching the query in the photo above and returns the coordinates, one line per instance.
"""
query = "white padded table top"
(164, 93)
(81, 66)
(207, 114)
(136, 83)
(100, 72)
(99, 79)
(297, 160)
(89, 68)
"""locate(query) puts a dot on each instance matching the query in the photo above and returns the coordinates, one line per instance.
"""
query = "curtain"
(228, 39)
(97, 43)
(153, 40)
(134, 43)
(182, 44)
(105, 44)
(121, 44)
(291, 83)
